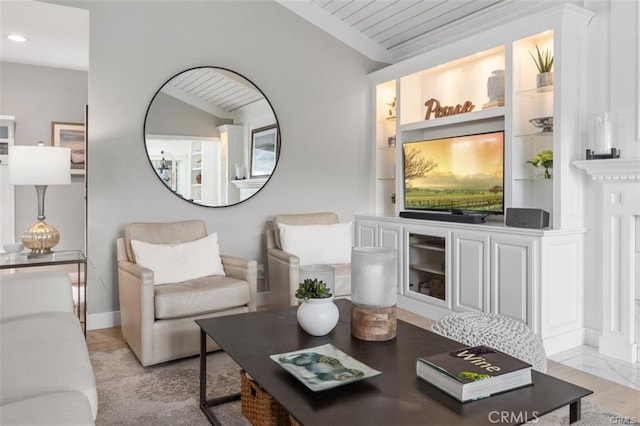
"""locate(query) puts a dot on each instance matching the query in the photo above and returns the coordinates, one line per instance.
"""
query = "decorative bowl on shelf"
(544, 123)
(13, 247)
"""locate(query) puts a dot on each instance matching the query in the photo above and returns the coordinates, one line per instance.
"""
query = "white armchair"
(284, 267)
(157, 320)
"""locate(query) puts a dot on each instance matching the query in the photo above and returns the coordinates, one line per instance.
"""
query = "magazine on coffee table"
(323, 367)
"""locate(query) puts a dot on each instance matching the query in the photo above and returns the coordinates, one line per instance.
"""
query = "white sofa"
(46, 376)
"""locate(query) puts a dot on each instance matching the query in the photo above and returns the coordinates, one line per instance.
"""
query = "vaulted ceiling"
(381, 28)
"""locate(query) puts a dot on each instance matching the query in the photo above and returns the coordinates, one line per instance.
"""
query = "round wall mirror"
(212, 137)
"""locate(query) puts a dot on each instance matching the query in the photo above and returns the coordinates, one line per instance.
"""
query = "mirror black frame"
(278, 138)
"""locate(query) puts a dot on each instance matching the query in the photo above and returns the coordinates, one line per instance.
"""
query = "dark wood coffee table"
(396, 397)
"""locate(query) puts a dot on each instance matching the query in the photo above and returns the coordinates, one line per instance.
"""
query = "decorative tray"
(323, 367)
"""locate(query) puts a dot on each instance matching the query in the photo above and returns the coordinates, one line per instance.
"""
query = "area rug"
(168, 393)
(165, 394)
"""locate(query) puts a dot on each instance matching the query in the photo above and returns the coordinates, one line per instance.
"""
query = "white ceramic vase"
(318, 316)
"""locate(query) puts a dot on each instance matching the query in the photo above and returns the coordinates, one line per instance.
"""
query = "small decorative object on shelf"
(240, 172)
(544, 123)
(495, 89)
(374, 282)
(317, 315)
(199, 178)
(601, 137)
(544, 63)
(543, 159)
(391, 141)
(14, 249)
(433, 107)
(392, 108)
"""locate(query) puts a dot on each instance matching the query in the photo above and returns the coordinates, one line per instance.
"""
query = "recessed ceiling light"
(16, 37)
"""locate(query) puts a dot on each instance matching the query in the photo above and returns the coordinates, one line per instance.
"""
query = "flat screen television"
(460, 174)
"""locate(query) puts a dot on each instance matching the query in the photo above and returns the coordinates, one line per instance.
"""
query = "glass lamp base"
(40, 238)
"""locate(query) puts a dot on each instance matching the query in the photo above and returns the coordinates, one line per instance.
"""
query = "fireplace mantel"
(618, 181)
(611, 169)
(248, 187)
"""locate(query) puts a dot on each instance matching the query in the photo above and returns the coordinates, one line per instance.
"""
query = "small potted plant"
(317, 314)
(543, 159)
(312, 289)
(544, 63)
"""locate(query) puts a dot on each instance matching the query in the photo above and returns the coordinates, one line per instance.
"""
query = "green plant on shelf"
(543, 159)
(543, 61)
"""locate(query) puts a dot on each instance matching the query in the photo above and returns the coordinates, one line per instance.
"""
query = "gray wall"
(36, 96)
(169, 116)
(317, 86)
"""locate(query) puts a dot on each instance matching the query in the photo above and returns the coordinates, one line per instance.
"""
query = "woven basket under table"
(260, 407)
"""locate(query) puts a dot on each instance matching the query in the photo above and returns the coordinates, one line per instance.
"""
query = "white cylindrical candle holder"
(374, 283)
(239, 171)
(601, 136)
(324, 273)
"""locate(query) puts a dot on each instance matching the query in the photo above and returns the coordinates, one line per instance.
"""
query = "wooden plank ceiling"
(392, 23)
(389, 30)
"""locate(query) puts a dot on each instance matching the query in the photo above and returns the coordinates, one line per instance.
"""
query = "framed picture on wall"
(71, 135)
(264, 151)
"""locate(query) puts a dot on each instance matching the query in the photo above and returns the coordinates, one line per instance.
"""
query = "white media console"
(529, 274)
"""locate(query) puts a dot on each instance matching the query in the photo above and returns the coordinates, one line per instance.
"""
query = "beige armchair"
(158, 320)
(284, 268)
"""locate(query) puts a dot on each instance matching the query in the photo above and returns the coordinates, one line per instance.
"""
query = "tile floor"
(587, 358)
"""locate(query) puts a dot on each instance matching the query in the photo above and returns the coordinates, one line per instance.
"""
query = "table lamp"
(40, 166)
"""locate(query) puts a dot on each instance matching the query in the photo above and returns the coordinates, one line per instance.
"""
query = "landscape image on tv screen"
(462, 173)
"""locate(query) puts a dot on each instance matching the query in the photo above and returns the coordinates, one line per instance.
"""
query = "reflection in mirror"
(212, 137)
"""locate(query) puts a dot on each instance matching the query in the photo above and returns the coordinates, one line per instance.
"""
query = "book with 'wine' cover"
(473, 372)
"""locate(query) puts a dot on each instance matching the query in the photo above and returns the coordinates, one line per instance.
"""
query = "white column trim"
(620, 199)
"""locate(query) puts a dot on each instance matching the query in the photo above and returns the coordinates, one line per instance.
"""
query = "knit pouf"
(500, 332)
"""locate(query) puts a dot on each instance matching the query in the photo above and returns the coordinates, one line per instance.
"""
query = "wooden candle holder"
(373, 324)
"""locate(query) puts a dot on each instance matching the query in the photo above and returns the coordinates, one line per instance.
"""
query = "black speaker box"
(527, 218)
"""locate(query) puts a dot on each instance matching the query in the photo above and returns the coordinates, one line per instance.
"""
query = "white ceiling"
(57, 36)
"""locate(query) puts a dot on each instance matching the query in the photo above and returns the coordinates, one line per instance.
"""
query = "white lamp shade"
(39, 165)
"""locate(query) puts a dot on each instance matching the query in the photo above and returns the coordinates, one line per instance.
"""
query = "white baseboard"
(112, 319)
(618, 349)
(564, 341)
(103, 320)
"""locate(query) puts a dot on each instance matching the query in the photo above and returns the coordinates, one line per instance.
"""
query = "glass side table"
(26, 260)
